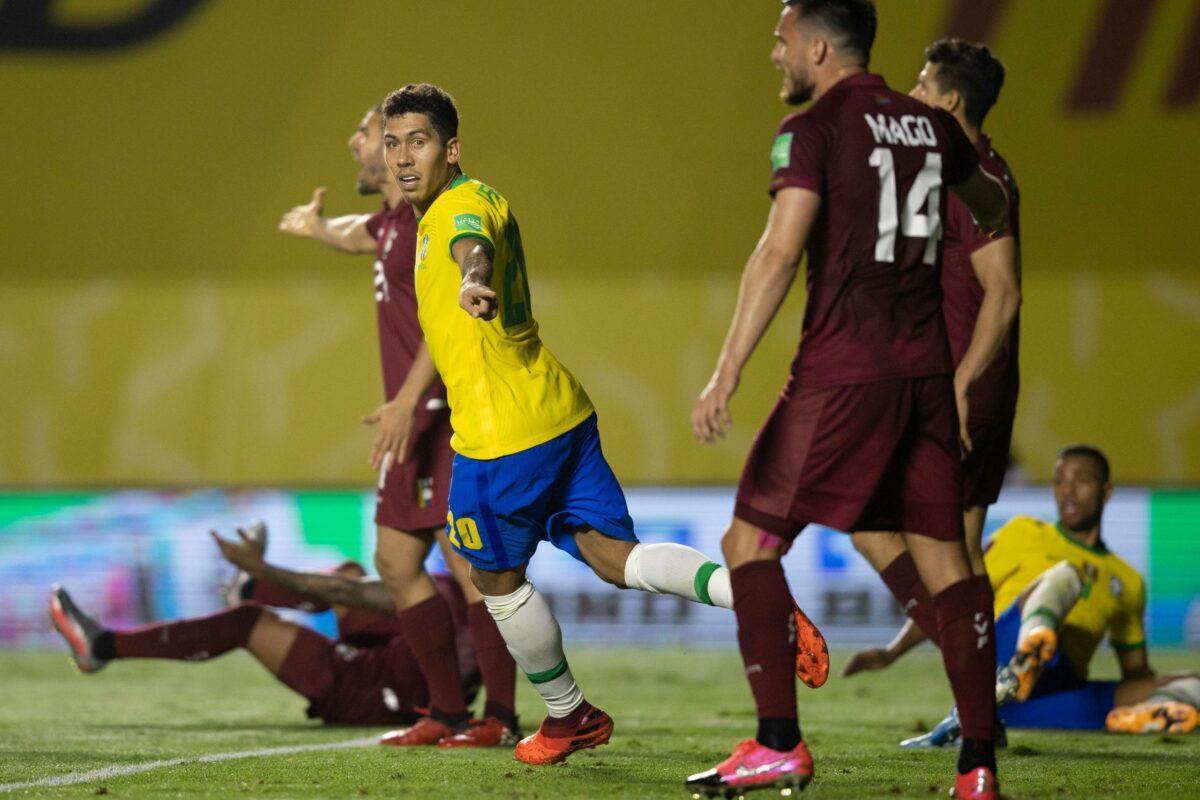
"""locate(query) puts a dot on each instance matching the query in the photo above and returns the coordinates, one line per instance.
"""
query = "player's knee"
(394, 568)
(742, 544)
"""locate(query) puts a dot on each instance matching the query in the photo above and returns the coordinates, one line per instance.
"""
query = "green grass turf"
(676, 712)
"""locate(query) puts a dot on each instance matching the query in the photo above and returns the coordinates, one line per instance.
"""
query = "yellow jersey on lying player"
(506, 391)
(1114, 595)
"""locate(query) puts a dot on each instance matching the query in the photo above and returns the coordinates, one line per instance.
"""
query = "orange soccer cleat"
(487, 732)
(1165, 716)
(812, 654)
(550, 746)
(427, 731)
(1015, 682)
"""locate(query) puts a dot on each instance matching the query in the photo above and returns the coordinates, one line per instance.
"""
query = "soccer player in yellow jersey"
(528, 465)
(1059, 591)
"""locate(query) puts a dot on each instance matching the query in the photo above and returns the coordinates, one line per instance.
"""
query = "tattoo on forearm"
(368, 594)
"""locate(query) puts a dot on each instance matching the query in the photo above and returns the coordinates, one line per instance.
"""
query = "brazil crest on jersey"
(506, 391)
(1114, 595)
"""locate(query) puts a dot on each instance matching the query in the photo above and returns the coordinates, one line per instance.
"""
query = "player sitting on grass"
(367, 676)
(1050, 620)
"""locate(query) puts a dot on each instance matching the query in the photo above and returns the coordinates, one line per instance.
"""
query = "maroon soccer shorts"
(413, 495)
(354, 686)
(880, 456)
(985, 466)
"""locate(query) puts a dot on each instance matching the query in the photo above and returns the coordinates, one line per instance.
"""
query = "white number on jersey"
(921, 217)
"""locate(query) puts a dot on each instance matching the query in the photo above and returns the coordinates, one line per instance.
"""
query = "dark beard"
(797, 97)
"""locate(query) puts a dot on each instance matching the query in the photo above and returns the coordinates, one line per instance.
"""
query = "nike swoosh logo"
(744, 772)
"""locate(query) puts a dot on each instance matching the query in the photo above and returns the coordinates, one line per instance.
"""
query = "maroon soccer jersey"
(395, 234)
(993, 396)
(881, 162)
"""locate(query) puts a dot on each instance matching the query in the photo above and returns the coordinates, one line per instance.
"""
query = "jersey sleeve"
(467, 217)
(374, 223)
(799, 155)
(1126, 630)
(960, 157)
(1003, 554)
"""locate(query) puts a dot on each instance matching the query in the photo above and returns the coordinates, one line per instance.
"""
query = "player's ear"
(818, 49)
(452, 151)
(952, 101)
(1107, 492)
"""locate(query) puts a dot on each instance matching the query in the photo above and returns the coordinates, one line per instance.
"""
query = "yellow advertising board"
(156, 328)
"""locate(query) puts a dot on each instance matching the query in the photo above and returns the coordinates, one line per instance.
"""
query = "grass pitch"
(676, 712)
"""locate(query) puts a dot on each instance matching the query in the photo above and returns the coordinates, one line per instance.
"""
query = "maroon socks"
(762, 603)
(196, 639)
(904, 581)
(495, 664)
(968, 642)
(429, 630)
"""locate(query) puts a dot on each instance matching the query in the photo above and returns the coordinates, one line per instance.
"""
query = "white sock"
(535, 641)
(1181, 690)
(669, 568)
(1051, 600)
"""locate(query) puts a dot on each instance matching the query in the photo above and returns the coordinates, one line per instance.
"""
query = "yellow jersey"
(507, 392)
(1114, 595)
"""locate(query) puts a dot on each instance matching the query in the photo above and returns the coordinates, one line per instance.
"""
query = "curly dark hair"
(853, 22)
(971, 70)
(425, 98)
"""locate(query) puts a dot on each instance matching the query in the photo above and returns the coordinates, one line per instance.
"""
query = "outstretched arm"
(765, 282)
(474, 259)
(881, 657)
(365, 593)
(346, 234)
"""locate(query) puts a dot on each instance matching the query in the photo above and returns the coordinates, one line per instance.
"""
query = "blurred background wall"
(155, 328)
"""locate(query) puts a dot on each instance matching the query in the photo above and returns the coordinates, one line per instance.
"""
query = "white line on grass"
(118, 770)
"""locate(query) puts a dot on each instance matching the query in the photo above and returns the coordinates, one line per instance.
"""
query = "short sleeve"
(960, 156)
(799, 155)
(965, 229)
(1127, 629)
(374, 223)
(1003, 553)
(466, 217)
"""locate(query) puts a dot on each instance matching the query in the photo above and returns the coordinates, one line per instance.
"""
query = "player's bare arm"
(474, 259)
(997, 267)
(346, 234)
(395, 418)
(368, 593)
(765, 282)
(986, 198)
(876, 658)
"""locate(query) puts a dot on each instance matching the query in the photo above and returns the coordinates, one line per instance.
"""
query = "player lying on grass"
(528, 466)
(367, 676)
(1050, 620)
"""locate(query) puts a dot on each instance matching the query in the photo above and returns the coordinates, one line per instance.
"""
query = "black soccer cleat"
(77, 628)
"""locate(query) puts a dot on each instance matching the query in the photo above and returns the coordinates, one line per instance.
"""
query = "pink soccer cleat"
(755, 766)
(978, 784)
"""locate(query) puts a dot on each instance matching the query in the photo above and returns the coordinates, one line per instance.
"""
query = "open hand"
(395, 421)
(245, 554)
(867, 661)
(306, 219)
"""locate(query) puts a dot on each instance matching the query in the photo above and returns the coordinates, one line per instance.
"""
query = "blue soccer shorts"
(1061, 698)
(501, 508)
